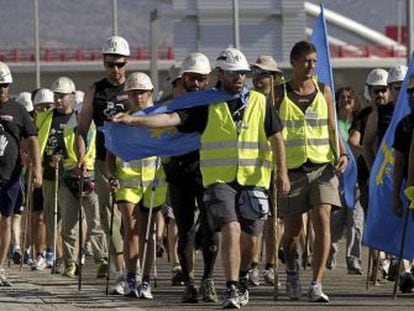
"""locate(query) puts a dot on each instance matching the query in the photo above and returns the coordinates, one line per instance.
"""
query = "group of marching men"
(273, 149)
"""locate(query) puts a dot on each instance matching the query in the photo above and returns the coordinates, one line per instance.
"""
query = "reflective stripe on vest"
(131, 183)
(306, 135)
(226, 156)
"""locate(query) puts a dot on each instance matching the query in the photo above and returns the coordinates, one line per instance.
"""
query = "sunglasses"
(195, 76)
(260, 72)
(4, 85)
(113, 65)
(237, 73)
(382, 90)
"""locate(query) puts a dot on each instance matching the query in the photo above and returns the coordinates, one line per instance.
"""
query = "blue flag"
(383, 229)
(323, 70)
(132, 142)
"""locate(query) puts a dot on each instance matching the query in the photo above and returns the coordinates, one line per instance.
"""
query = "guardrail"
(167, 53)
(77, 54)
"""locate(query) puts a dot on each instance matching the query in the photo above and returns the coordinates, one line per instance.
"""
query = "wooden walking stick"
(111, 228)
(55, 216)
(154, 237)
(401, 254)
(369, 268)
(28, 212)
(80, 222)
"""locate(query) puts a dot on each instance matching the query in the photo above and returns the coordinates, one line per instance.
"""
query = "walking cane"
(111, 228)
(275, 232)
(80, 222)
(403, 236)
(154, 237)
(28, 211)
(369, 268)
(148, 229)
(305, 254)
(55, 213)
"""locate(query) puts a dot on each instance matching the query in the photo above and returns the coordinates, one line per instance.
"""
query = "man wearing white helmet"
(43, 99)
(230, 171)
(25, 98)
(15, 126)
(380, 117)
(103, 99)
(186, 193)
(140, 186)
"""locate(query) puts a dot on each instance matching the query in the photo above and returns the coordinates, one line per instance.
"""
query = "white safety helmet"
(5, 74)
(397, 74)
(25, 98)
(116, 45)
(138, 81)
(377, 77)
(196, 62)
(63, 85)
(174, 72)
(232, 59)
(43, 96)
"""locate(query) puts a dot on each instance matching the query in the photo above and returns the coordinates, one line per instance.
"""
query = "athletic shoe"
(254, 276)
(269, 276)
(406, 282)
(244, 291)
(208, 291)
(70, 270)
(316, 294)
(130, 288)
(231, 298)
(177, 276)
(190, 294)
(58, 267)
(293, 287)
(27, 258)
(101, 268)
(49, 259)
(145, 291)
(39, 263)
(4, 281)
(353, 265)
(17, 256)
(118, 288)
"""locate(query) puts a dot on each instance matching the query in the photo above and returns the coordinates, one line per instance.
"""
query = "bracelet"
(344, 155)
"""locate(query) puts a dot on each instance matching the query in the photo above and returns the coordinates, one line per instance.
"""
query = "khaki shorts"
(320, 186)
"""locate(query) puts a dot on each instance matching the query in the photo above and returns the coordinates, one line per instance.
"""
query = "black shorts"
(10, 193)
(221, 205)
(37, 200)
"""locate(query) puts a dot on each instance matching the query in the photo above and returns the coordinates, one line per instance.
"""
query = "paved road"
(43, 291)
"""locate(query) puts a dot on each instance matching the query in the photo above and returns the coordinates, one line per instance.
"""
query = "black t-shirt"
(402, 138)
(55, 143)
(195, 119)
(108, 100)
(15, 124)
(384, 119)
(360, 121)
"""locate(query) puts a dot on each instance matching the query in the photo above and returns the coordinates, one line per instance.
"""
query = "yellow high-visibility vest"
(306, 135)
(226, 156)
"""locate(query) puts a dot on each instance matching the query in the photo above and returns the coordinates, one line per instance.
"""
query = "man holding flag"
(237, 140)
(307, 113)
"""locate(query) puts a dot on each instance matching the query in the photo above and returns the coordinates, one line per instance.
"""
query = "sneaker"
(17, 256)
(83, 259)
(101, 268)
(39, 263)
(177, 276)
(385, 267)
(4, 281)
(130, 288)
(406, 282)
(269, 276)
(190, 294)
(293, 287)
(254, 275)
(49, 259)
(70, 270)
(208, 291)
(316, 294)
(243, 291)
(145, 291)
(27, 258)
(231, 298)
(58, 267)
(118, 288)
(353, 265)
(331, 263)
